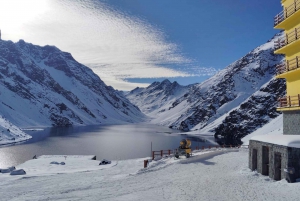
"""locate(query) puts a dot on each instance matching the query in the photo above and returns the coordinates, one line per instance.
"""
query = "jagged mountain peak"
(166, 82)
(153, 84)
(157, 96)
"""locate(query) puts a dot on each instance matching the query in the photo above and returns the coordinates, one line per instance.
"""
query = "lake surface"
(112, 142)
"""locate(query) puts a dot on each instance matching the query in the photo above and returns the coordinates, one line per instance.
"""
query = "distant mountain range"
(157, 97)
(43, 86)
(231, 104)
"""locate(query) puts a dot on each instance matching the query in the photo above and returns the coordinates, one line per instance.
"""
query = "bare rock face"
(45, 86)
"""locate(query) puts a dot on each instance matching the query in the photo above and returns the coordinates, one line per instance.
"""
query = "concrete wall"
(291, 122)
(272, 150)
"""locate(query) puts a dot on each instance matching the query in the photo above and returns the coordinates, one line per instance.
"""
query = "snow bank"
(58, 164)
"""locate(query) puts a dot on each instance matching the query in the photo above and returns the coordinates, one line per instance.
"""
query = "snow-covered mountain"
(252, 114)
(157, 97)
(43, 86)
(238, 99)
(10, 133)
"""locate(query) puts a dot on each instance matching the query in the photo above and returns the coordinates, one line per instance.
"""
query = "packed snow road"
(215, 175)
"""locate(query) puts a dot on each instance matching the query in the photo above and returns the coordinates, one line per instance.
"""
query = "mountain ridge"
(156, 96)
(213, 101)
(56, 90)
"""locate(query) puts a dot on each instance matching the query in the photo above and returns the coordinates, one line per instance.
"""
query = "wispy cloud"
(114, 44)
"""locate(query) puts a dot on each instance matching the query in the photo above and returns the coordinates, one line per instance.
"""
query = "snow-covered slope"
(274, 127)
(43, 86)
(156, 98)
(10, 133)
(238, 99)
(207, 175)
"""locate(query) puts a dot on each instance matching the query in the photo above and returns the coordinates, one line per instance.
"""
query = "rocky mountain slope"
(232, 103)
(252, 114)
(43, 86)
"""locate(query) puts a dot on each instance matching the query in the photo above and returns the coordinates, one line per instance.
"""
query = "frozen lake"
(113, 142)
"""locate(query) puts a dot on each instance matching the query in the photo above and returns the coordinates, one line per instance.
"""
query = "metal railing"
(288, 65)
(162, 153)
(281, 68)
(289, 101)
(287, 12)
(169, 152)
(279, 43)
(290, 37)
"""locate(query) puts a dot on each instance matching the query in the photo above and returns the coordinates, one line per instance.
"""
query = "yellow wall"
(293, 83)
(293, 56)
(291, 51)
(288, 25)
(292, 29)
(286, 3)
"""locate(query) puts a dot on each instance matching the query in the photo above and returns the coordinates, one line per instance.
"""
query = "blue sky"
(131, 43)
(211, 33)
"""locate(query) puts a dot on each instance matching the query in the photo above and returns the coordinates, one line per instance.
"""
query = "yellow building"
(289, 45)
(278, 156)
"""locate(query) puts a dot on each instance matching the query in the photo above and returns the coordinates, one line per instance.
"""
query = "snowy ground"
(210, 175)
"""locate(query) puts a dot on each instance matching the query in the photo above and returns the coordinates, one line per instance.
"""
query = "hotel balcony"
(288, 66)
(289, 43)
(287, 18)
(289, 102)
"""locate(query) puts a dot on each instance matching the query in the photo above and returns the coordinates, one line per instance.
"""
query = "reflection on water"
(112, 142)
